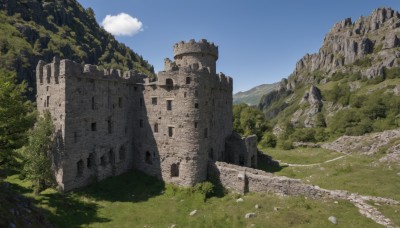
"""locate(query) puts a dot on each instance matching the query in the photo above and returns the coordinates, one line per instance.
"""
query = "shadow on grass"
(268, 164)
(133, 186)
(74, 209)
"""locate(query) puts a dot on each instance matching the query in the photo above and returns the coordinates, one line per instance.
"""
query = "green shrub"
(286, 144)
(268, 140)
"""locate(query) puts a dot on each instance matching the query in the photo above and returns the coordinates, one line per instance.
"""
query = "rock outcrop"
(353, 43)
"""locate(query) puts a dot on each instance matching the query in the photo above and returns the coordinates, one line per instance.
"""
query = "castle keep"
(108, 122)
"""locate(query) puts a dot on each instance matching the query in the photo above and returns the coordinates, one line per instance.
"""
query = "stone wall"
(108, 121)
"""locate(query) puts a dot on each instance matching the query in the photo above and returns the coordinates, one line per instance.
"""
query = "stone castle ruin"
(108, 121)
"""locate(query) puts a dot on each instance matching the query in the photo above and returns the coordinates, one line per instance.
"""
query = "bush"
(268, 140)
(286, 144)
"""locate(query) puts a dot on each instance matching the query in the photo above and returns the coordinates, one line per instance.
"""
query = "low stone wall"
(243, 179)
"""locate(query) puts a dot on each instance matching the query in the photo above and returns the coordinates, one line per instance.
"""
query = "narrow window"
(187, 80)
(90, 161)
(47, 88)
(93, 126)
(79, 167)
(175, 170)
(93, 104)
(135, 88)
(48, 101)
(122, 153)
(196, 105)
(109, 125)
(141, 123)
(195, 124)
(141, 102)
(169, 82)
(111, 157)
(169, 105)
(75, 137)
(103, 160)
(154, 100)
(120, 102)
(211, 154)
(170, 131)
(156, 127)
(148, 158)
(184, 94)
(205, 132)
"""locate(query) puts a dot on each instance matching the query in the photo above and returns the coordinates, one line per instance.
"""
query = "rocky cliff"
(349, 87)
(367, 45)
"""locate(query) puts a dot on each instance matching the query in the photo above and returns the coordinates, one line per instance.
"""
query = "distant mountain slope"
(350, 87)
(31, 30)
(253, 96)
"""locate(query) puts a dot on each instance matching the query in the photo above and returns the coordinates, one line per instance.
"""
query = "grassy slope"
(253, 96)
(135, 199)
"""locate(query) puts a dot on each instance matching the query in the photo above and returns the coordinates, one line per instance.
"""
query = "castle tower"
(189, 111)
(196, 55)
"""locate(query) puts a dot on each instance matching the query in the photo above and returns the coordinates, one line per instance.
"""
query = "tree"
(37, 162)
(16, 117)
(249, 120)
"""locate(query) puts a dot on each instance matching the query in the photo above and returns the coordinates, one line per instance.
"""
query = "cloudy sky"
(259, 41)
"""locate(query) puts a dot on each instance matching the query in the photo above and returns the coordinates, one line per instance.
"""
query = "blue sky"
(259, 41)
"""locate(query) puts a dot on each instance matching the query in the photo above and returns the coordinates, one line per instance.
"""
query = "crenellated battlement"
(58, 69)
(202, 47)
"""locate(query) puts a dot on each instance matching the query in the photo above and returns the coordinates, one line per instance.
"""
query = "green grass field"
(136, 200)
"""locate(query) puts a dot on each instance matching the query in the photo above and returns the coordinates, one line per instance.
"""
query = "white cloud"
(122, 25)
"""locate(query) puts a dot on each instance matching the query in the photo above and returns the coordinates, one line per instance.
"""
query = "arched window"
(175, 170)
(169, 82)
(148, 159)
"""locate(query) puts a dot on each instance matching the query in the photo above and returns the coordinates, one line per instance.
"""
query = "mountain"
(350, 87)
(33, 30)
(253, 96)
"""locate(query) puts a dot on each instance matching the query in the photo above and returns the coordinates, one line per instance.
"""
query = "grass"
(355, 173)
(302, 155)
(137, 200)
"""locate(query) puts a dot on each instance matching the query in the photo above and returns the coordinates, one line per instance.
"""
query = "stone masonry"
(108, 122)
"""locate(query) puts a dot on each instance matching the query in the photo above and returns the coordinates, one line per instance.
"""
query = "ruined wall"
(241, 150)
(243, 179)
(94, 111)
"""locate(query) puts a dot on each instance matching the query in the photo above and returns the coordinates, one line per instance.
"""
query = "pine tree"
(16, 117)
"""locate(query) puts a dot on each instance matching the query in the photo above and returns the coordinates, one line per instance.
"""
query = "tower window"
(141, 102)
(169, 82)
(175, 170)
(188, 80)
(93, 126)
(120, 102)
(169, 105)
(75, 137)
(154, 100)
(156, 127)
(148, 159)
(79, 166)
(47, 101)
(205, 132)
(184, 94)
(122, 153)
(170, 131)
(196, 105)
(109, 125)
(90, 161)
(195, 124)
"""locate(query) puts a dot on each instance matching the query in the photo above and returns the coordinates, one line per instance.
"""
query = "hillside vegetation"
(33, 30)
(350, 87)
(252, 97)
